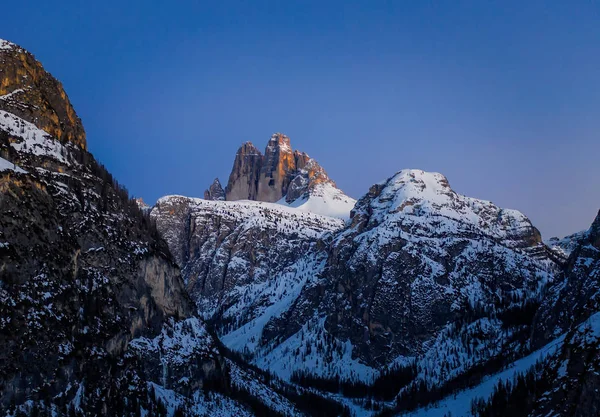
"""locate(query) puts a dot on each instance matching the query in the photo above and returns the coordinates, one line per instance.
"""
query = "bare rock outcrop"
(215, 192)
(27, 90)
(280, 173)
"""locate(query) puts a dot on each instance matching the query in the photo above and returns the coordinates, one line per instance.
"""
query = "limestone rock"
(27, 90)
(215, 191)
(281, 173)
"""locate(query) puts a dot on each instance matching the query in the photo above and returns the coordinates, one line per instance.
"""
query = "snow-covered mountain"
(230, 251)
(277, 296)
(415, 278)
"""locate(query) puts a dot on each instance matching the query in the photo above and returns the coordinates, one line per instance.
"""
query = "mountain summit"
(285, 176)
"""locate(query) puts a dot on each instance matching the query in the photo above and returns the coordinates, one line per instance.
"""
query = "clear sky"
(503, 97)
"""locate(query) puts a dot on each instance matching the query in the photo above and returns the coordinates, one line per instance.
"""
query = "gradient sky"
(503, 97)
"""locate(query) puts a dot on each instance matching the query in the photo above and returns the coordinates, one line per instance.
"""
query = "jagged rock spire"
(280, 173)
(215, 191)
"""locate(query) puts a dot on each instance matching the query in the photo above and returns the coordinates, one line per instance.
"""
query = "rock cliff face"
(215, 191)
(245, 174)
(286, 176)
(31, 93)
(82, 271)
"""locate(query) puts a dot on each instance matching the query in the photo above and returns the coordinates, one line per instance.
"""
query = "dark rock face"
(573, 375)
(31, 93)
(215, 191)
(576, 293)
(572, 308)
(280, 172)
(83, 272)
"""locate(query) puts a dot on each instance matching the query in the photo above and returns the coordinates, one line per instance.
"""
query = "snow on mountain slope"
(233, 252)
(6, 45)
(459, 404)
(419, 270)
(202, 404)
(34, 141)
(565, 246)
(9, 166)
(417, 256)
(262, 301)
(323, 199)
(312, 351)
(434, 209)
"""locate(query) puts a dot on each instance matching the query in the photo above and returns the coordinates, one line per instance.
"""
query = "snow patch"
(9, 166)
(324, 199)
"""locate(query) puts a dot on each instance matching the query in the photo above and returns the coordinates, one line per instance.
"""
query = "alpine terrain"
(278, 294)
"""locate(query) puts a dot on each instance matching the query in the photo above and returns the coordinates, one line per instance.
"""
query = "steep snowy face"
(286, 176)
(31, 93)
(418, 256)
(231, 252)
(571, 308)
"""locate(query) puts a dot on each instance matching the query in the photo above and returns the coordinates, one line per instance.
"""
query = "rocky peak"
(28, 91)
(426, 201)
(280, 174)
(215, 191)
(142, 204)
(278, 143)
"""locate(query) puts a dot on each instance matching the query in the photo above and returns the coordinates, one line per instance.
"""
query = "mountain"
(229, 251)
(416, 259)
(417, 276)
(279, 295)
(566, 331)
(285, 176)
(95, 318)
(84, 273)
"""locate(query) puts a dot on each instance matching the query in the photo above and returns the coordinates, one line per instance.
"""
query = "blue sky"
(501, 97)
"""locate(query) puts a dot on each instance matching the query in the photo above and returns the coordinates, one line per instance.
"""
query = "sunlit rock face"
(280, 172)
(31, 93)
